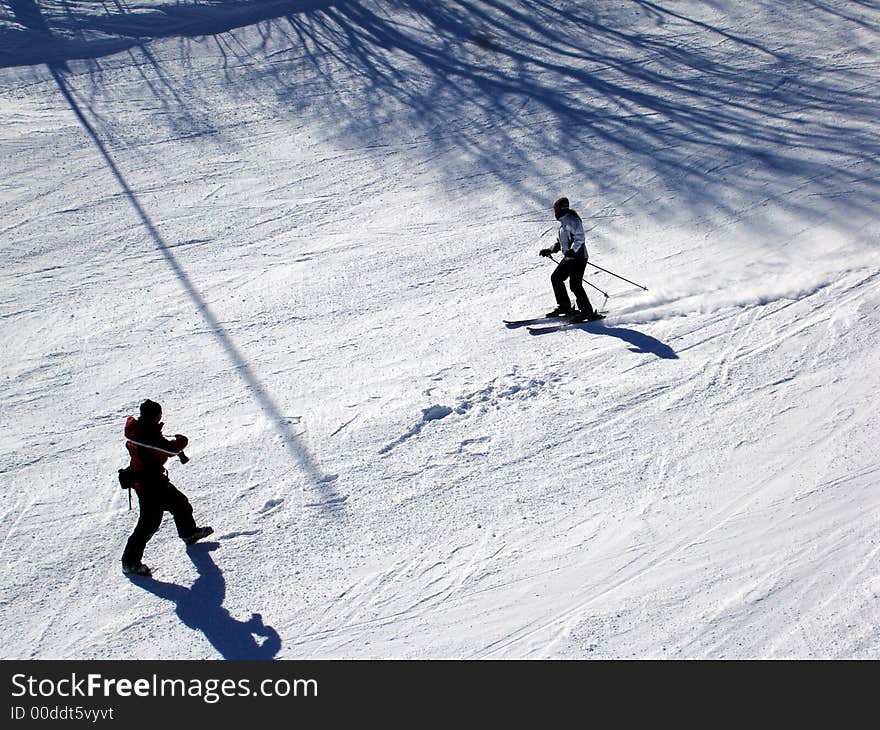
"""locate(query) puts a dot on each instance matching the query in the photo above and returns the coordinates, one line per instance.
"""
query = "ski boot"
(198, 535)
(136, 569)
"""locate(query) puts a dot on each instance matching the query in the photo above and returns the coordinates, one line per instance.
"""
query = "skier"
(149, 450)
(572, 241)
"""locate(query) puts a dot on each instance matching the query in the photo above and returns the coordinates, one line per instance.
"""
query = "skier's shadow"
(639, 341)
(201, 608)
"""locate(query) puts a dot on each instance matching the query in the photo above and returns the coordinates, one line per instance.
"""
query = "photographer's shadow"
(201, 608)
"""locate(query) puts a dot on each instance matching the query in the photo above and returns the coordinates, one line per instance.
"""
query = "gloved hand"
(544, 252)
(181, 441)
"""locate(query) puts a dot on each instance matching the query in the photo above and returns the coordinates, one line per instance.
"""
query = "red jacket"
(152, 450)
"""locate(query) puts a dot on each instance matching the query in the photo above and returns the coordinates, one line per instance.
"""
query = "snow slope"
(298, 226)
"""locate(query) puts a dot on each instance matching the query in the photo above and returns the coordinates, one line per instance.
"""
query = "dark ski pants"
(157, 497)
(573, 270)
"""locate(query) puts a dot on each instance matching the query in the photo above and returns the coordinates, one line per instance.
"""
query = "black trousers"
(157, 496)
(573, 270)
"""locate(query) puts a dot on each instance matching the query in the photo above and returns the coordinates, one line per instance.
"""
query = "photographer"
(146, 474)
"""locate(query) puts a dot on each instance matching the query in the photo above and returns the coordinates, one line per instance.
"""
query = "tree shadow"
(291, 440)
(644, 101)
(28, 13)
(610, 95)
(200, 607)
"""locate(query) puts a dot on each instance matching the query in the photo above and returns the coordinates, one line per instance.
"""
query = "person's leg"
(178, 505)
(557, 278)
(149, 519)
(576, 283)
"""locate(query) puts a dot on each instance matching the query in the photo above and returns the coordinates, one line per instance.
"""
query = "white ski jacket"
(570, 237)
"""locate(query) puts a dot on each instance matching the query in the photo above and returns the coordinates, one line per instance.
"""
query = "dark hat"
(560, 207)
(150, 410)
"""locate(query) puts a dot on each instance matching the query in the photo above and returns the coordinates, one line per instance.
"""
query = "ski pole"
(585, 282)
(617, 275)
(604, 303)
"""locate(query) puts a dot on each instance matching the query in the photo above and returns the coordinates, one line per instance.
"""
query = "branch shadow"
(200, 607)
(670, 104)
(644, 100)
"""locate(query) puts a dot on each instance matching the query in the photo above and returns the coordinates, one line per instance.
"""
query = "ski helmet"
(560, 207)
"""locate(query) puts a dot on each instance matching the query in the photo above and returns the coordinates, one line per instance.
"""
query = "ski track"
(737, 348)
(661, 554)
(739, 338)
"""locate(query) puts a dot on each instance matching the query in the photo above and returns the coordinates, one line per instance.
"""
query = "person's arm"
(550, 251)
(177, 444)
(557, 245)
(160, 445)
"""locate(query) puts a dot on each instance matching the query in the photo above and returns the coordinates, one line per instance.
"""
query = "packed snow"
(299, 226)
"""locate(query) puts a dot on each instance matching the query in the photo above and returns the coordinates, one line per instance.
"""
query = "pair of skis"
(544, 325)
